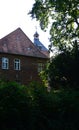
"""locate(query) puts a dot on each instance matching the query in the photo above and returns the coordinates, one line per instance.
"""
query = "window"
(40, 67)
(5, 63)
(17, 64)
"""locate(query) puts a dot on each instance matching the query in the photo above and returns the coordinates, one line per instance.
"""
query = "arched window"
(5, 63)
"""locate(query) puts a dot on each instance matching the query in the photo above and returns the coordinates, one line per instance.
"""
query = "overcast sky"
(14, 14)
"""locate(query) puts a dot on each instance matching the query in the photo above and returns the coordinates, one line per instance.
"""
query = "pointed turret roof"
(36, 35)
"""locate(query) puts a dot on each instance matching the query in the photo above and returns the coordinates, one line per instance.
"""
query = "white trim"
(17, 65)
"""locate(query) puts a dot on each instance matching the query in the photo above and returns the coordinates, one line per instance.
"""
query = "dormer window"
(17, 64)
(5, 63)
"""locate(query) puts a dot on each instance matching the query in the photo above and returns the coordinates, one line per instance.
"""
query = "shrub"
(34, 108)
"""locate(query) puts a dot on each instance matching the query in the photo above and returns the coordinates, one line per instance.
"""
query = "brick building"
(20, 59)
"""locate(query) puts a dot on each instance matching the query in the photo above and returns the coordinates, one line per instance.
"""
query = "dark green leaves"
(64, 15)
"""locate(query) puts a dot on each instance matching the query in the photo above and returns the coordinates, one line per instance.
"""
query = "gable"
(18, 43)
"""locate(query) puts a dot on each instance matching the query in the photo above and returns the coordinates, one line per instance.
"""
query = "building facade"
(20, 59)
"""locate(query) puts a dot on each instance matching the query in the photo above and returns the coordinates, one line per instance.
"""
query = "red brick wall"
(28, 70)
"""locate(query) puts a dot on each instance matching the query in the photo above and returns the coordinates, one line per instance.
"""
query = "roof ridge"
(11, 32)
(18, 40)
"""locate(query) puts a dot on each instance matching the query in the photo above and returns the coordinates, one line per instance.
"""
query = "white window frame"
(17, 65)
(5, 63)
(40, 67)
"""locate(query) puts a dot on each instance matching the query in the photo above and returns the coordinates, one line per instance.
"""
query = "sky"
(14, 14)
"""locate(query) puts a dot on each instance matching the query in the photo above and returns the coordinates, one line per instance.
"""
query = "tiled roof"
(40, 45)
(18, 43)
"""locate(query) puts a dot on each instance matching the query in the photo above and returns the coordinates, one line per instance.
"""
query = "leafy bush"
(34, 108)
(14, 106)
(64, 70)
(57, 110)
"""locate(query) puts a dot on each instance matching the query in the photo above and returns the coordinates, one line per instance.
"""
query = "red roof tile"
(18, 43)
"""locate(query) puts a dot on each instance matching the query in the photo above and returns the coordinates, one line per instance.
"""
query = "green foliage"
(64, 16)
(14, 106)
(44, 75)
(64, 69)
(34, 108)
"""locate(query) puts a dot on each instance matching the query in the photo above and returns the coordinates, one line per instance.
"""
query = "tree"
(64, 16)
(34, 108)
(64, 69)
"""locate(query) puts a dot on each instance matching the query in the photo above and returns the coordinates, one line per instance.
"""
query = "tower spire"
(36, 35)
(39, 45)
